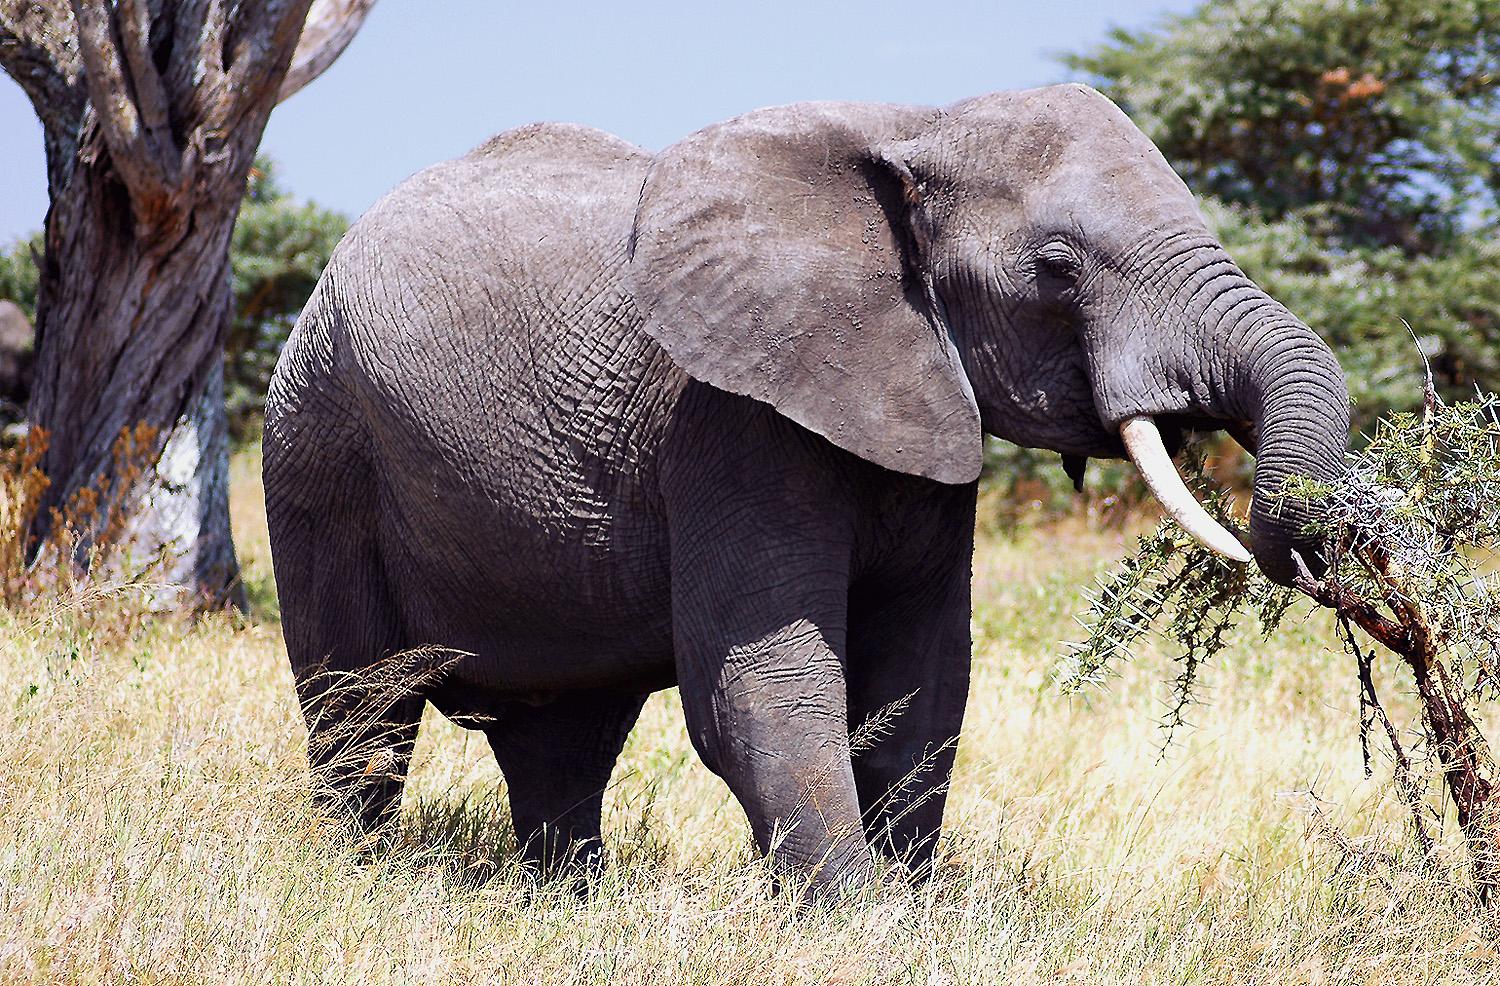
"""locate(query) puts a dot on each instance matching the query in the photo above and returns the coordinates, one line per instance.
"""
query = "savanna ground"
(155, 824)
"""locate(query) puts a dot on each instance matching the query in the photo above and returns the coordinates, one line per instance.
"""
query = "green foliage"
(1377, 121)
(1362, 301)
(1171, 578)
(18, 273)
(1417, 520)
(280, 248)
(1414, 524)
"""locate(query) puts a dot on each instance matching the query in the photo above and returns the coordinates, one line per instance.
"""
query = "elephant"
(597, 422)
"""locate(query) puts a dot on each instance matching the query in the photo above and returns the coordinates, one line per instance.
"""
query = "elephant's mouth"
(1144, 444)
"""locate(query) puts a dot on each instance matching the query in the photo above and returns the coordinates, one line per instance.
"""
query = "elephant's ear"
(778, 256)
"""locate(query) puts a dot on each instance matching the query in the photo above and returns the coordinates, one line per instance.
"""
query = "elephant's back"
(476, 290)
(556, 172)
(523, 215)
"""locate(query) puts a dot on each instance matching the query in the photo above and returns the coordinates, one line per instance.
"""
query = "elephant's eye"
(1058, 263)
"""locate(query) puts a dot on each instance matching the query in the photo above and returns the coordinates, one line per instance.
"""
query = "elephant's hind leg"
(361, 699)
(361, 728)
(557, 759)
(362, 703)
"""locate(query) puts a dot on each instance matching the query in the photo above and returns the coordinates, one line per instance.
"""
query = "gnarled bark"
(152, 113)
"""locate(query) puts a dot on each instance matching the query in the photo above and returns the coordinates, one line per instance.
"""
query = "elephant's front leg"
(764, 698)
(908, 680)
(762, 538)
(759, 600)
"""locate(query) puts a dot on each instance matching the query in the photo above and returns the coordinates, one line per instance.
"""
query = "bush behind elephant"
(605, 422)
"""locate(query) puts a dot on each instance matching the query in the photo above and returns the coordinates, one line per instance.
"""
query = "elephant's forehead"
(1063, 147)
(1045, 122)
(1119, 195)
(1134, 185)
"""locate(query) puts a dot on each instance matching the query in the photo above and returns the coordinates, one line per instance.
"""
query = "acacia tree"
(1376, 119)
(1353, 148)
(151, 113)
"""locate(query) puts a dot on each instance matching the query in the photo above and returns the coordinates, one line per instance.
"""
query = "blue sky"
(425, 81)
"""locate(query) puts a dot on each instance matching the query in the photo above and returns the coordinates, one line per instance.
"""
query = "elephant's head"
(897, 278)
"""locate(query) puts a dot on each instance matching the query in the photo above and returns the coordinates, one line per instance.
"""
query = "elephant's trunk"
(1294, 394)
(1258, 365)
(1240, 357)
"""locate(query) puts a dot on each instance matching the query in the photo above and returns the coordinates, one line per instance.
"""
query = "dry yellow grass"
(155, 828)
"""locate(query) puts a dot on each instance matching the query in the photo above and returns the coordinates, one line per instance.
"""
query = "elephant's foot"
(557, 759)
(359, 746)
(559, 858)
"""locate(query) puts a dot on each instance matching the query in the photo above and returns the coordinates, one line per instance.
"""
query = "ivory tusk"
(1143, 444)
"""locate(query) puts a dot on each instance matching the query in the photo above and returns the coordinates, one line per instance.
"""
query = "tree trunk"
(132, 333)
(152, 113)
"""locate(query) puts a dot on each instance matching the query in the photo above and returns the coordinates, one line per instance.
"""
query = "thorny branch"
(1410, 529)
(1370, 710)
(1401, 566)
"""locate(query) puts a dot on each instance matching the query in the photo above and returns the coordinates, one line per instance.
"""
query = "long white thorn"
(1144, 445)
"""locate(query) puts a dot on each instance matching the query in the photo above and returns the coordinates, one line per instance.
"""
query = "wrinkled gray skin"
(609, 422)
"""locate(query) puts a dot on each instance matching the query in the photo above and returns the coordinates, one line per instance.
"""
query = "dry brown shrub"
(88, 545)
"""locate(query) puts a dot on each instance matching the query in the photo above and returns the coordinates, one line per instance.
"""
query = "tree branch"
(152, 101)
(199, 68)
(24, 37)
(331, 25)
(257, 59)
(139, 164)
(1351, 605)
(42, 24)
(37, 51)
